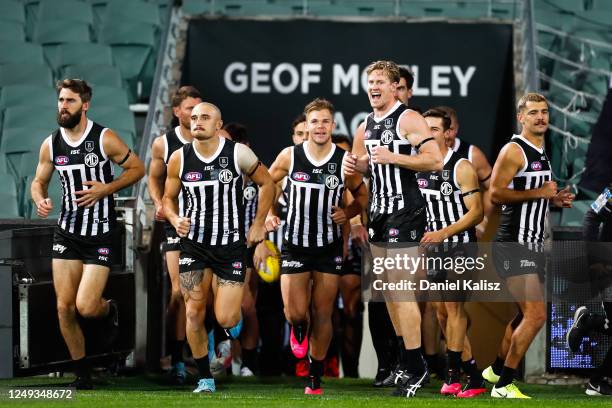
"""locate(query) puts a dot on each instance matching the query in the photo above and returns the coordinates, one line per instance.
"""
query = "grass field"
(151, 391)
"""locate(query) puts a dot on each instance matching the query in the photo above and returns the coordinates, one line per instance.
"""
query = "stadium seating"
(13, 11)
(65, 10)
(55, 194)
(21, 73)
(11, 31)
(75, 53)
(106, 75)
(17, 52)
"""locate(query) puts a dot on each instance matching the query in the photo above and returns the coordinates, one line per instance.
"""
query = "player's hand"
(433, 237)
(262, 252)
(564, 198)
(44, 207)
(359, 235)
(272, 223)
(257, 233)
(354, 165)
(93, 194)
(382, 155)
(160, 215)
(338, 215)
(549, 190)
(182, 226)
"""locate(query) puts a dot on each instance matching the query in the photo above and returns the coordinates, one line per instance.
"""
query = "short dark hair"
(301, 118)
(319, 104)
(183, 93)
(452, 113)
(342, 138)
(237, 131)
(438, 113)
(407, 75)
(77, 86)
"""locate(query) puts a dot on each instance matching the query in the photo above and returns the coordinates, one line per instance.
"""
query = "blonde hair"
(319, 104)
(390, 68)
(529, 97)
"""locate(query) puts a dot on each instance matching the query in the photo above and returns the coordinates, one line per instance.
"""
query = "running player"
(210, 173)
(312, 250)
(454, 208)
(183, 101)
(522, 184)
(82, 152)
(384, 145)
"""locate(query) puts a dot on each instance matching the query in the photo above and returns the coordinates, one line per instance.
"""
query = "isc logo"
(61, 160)
(193, 176)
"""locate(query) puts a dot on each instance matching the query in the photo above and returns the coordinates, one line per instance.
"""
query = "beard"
(70, 121)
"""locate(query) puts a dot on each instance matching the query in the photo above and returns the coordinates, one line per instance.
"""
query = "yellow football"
(269, 271)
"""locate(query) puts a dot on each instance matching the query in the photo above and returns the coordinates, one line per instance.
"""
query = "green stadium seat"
(131, 45)
(113, 117)
(601, 5)
(351, 8)
(19, 141)
(59, 32)
(66, 10)
(195, 7)
(12, 11)
(33, 95)
(119, 11)
(19, 52)
(9, 206)
(551, 18)
(25, 116)
(11, 31)
(11, 74)
(574, 217)
(54, 192)
(564, 5)
(106, 75)
(505, 11)
(9, 183)
(77, 53)
(110, 96)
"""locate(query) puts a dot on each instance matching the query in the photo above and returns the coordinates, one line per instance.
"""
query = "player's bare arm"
(278, 171)
(267, 193)
(509, 162)
(172, 188)
(119, 153)
(157, 173)
(358, 160)
(482, 167)
(39, 186)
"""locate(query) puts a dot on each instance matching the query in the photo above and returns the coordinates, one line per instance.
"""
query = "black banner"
(263, 73)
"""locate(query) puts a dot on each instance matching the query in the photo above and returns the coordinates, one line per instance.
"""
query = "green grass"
(151, 391)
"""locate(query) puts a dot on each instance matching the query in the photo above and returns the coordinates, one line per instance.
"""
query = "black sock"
(506, 377)
(203, 366)
(498, 365)
(432, 361)
(249, 359)
(81, 368)
(454, 359)
(384, 340)
(470, 368)
(299, 331)
(414, 361)
(316, 368)
(401, 352)
(176, 355)
(220, 334)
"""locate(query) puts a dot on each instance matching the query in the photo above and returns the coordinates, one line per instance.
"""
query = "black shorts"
(437, 256)
(227, 262)
(173, 241)
(407, 225)
(91, 250)
(326, 259)
(514, 259)
(352, 264)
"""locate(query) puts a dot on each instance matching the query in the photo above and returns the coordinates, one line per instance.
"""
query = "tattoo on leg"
(225, 282)
(191, 279)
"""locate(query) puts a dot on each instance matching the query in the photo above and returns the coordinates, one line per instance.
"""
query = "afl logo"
(61, 160)
(446, 188)
(393, 232)
(368, 134)
(301, 176)
(387, 137)
(91, 160)
(536, 166)
(103, 251)
(193, 176)
(225, 176)
(422, 183)
(332, 182)
(249, 193)
(237, 265)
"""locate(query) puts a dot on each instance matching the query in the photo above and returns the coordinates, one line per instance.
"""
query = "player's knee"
(194, 315)
(66, 309)
(322, 310)
(295, 315)
(87, 308)
(227, 319)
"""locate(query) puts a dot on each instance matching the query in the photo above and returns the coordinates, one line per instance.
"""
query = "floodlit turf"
(151, 391)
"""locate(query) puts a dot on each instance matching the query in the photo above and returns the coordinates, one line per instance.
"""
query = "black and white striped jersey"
(525, 222)
(76, 162)
(277, 236)
(463, 149)
(174, 140)
(392, 187)
(312, 189)
(445, 204)
(251, 199)
(212, 195)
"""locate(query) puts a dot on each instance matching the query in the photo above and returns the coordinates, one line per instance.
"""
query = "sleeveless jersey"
(463, 149)
(173, 140)
(251, 199)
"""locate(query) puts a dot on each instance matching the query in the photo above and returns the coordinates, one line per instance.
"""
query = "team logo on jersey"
(193, 176)
(393, 232)
(423, 183)
(103, 251)
(537, 166)
(300, 176)
(89, 146)
(368, 134)
(331, 167)
(225, 176)
(249, 193)
(506, 265)
(445, 174)
(413, 234)
(223, 161)
(446, 188)
(389, 123)
(332, 182)
(91, 160)
(61, 160)
(386, 137)
(237, 265)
